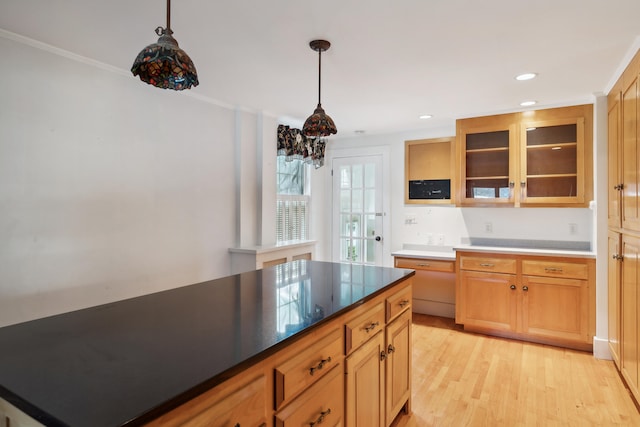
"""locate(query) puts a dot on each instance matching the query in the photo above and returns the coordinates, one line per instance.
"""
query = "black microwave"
(430, 189)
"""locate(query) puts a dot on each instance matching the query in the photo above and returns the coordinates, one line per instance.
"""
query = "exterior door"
(357, 210)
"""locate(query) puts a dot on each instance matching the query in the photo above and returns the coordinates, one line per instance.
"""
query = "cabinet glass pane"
(552, 160)
(479, 141)
(552, 135)
(487, 164)
(552, 187)
(488, 188)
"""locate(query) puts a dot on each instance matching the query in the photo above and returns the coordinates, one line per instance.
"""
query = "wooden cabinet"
(537, 298)
(614, 159)
(398, 365)
(614, 287)
(322, 403)
(486, 165)
(429, 161)
(488, 300)
(630, 316)
(364, 370)
(533, 158)
(241, 401)
(378, 368)
(307, 366)
(433, 285)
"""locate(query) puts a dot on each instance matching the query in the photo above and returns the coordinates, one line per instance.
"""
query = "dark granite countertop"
(125, 363)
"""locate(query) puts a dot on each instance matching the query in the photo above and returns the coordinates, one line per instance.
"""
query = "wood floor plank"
(465, 379)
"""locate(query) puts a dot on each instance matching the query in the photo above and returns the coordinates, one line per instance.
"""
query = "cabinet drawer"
(321, 404)
(572, 270)
(398, 302)
(306, 367)
(364, 327)
(495, 265)
(425, 264)
(245, 406)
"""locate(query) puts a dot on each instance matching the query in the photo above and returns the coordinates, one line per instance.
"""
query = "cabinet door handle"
(512, 287)
(371, 326)
(404, 302)
(486, 264)
(525, 288)
(553, 269)
(320, 365)
(383, 356)
(424, 264)
(391, 348)
(320, 419)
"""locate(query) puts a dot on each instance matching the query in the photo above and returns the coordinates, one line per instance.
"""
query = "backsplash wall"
(450, 226)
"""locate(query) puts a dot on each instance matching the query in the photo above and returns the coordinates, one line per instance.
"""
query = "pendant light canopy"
(164, 64)
(319, 124)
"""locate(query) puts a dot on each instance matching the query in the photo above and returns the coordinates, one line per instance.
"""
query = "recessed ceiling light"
(526, 76)
(426, 116)
(528, 103)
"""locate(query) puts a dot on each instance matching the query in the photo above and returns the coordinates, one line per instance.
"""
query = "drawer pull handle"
(424, 264)
(371, 326)
(320, 418)
(512, 287)
(391, 349)
(486, 264)
(404, 302)
(525, 288)
(553, 269)
(319, 365)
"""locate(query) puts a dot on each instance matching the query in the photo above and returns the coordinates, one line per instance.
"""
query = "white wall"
(111, 188)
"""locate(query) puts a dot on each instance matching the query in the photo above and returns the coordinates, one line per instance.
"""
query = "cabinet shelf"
(551, 146)
(486, 178)
(488, 150)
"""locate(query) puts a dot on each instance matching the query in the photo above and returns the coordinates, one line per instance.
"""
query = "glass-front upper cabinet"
(486, 147)
(532, 158)
(553, 156)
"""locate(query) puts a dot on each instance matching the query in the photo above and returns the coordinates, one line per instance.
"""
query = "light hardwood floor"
(465, 379)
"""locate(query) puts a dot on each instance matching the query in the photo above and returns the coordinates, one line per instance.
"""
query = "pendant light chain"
(169, 17)
(319, 73)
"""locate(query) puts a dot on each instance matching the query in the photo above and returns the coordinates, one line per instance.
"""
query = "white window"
(293, 200)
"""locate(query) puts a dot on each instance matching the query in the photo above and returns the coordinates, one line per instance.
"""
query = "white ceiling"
(390, 60)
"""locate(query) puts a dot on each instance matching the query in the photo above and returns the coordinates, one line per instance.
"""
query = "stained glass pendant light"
(319, 124)
(164, 64)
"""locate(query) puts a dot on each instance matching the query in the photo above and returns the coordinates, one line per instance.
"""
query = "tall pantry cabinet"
(624, 224)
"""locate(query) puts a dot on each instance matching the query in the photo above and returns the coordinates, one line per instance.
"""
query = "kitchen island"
(132, 361)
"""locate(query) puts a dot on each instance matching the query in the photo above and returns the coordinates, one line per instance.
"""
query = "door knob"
(378, 238)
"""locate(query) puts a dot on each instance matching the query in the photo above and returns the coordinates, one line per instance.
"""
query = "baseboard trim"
(601, 349)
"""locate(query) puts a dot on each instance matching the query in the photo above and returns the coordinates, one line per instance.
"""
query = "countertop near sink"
(526, 251)
(428, 252)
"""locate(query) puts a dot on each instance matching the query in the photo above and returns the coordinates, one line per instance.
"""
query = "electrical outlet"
(573, 228)
(488, 227)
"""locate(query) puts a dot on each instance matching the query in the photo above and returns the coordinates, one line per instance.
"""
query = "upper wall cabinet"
(429, 166)
(533, 158)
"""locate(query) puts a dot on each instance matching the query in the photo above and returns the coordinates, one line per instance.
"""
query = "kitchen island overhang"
(127, 362)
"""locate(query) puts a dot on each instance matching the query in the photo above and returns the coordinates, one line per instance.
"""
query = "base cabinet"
(537, 298)
(364, 370)
(398, 366)
(354, 370)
